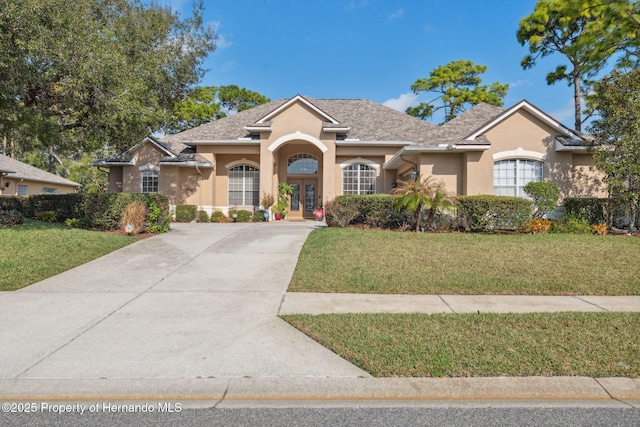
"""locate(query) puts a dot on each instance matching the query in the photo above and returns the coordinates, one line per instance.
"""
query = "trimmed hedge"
(97, 210)
(258, 216)
(374, 210)
(10, 218)
(241, 215)
(487, 213)
(186, 213)
(590, 209)
(202, 216)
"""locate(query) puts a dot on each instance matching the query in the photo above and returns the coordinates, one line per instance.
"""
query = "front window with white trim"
(358, 179)
(510, 176)
(244, 186)
(149, 182)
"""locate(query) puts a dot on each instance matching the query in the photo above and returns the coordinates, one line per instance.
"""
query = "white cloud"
(517, 83)
(396, 15)
(222, 42)
(356, 4)
(402, 102)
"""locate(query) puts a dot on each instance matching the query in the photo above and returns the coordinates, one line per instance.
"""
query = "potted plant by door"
(279, 211)
(284, 191)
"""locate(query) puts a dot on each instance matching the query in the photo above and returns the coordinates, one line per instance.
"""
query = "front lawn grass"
(479, 345)
(37, 250)
(373, 261)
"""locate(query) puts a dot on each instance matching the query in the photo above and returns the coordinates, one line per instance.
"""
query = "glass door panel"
(295, 197)
(309, 197)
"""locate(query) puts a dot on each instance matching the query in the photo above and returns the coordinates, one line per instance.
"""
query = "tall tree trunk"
(577, 98)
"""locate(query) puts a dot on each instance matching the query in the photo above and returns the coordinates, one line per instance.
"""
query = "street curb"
(230, 392)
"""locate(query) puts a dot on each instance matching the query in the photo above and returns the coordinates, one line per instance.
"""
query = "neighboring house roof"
(175, 153)
(12, 168)
(363, 120)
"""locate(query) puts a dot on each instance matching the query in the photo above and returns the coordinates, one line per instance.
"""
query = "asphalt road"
(370, 417)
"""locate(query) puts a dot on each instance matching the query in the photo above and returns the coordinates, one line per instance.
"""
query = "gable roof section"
(175, 153)
(12, 168)
(567, 136)
(292, 101)
(364, 120)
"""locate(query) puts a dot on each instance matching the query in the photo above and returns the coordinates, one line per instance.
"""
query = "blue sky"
(372, 49)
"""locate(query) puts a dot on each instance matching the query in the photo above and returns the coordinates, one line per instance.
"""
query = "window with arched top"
(510, 176)
(302, 164)
(358, 179)
(244, 185)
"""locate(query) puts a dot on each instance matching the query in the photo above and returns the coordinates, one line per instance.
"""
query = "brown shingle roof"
(367, 120)
(455, 130)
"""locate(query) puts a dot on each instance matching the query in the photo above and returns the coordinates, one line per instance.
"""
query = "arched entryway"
(299, 160)
(302, 175)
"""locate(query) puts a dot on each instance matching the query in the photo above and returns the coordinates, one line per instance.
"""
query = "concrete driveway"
(198, 302)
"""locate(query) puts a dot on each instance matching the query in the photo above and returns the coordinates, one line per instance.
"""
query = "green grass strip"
(37, 250)
(481, 345)
(373, 261)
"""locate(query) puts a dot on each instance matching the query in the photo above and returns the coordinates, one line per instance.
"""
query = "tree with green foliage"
(587, 33)
(545, 197)
(458, 85)
(93, 179)
(617, 138)
(208, 103)
(420, 194)
(87, 74)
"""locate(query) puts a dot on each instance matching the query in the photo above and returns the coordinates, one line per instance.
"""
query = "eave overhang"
(105, 163)
(336, 129)
(189, 164)
(253, 129)
(570, 148)
(358, 143)
(221, 142)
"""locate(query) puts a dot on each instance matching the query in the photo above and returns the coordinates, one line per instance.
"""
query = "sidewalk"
(323, 303)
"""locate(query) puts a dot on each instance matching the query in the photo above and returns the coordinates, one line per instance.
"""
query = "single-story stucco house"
(21, 179)
(328, 147)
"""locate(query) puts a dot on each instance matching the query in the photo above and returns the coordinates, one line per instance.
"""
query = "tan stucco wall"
(524, 131)
(444, 167)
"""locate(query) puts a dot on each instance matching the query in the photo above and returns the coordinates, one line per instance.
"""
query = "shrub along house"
(328, 147)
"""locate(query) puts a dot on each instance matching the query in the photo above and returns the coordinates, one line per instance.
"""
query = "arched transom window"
(510, 176)
(244, 186)
(302, 164)
(358, 179)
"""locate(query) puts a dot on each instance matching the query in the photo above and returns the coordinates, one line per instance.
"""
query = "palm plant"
(415, 196)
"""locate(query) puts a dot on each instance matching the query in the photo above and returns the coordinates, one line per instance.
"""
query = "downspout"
(415, 166)
(199, 192)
